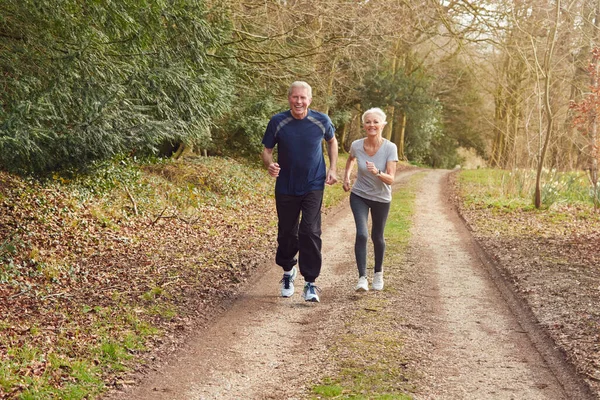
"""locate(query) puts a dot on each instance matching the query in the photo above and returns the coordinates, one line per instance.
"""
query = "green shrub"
(84, 81)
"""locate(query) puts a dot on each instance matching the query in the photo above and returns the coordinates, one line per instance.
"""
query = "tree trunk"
(342, 136)
(593, 168)
(499, 133)
(399, 138)
(388, 133)
(594, 116)
(547, 106)
(330, 85)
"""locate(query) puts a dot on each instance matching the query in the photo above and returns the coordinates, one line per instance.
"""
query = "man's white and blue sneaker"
(311, 292)
(287, 283)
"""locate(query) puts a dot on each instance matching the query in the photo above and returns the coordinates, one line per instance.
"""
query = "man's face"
(299, 102)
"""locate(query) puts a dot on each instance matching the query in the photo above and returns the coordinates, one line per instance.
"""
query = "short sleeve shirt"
(299, 150)
(368, 185)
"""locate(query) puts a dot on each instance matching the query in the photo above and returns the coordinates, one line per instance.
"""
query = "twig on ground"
(64, 294)
(135, 210)
(175, 216)
(18, 294)
(160, 215)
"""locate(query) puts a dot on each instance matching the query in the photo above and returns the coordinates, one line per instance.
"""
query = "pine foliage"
(84, 81)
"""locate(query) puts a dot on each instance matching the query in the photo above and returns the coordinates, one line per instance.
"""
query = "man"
(301, 177)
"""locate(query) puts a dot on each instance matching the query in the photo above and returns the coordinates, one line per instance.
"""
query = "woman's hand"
(372, 168)
(346, 185)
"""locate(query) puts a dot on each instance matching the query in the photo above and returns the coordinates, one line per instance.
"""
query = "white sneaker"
(362, 285)
(378, 281)
(311, 292)
(287, 283)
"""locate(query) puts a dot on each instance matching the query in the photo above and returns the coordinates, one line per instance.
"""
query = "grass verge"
(370, 360)
(515, 189)
(502, 198)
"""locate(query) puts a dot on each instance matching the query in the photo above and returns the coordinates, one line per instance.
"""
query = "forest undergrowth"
(97, 273)
(550, 256)
(101, 274)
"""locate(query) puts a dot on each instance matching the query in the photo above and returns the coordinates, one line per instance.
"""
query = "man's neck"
(302, 116)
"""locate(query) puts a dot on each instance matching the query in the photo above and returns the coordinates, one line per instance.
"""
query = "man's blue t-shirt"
(300, 150)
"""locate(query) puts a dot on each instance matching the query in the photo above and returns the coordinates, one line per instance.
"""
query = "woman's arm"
(389, 174)
(348, 171)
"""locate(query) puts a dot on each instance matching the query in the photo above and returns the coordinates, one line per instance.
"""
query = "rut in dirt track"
(486, 346)
(469, 343)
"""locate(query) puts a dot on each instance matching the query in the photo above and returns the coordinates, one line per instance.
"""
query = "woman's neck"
(374, 140)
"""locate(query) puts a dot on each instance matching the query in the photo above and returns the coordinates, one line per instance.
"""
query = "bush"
(83, 81)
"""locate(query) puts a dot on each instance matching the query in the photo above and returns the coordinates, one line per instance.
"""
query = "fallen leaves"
(77, 273)
(552, 259)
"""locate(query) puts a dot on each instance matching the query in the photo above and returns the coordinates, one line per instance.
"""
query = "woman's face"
(373, 124)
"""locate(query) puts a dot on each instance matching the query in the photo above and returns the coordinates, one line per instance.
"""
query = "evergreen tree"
(84, 81)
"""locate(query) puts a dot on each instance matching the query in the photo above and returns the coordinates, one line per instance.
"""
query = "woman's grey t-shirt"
(368, 185)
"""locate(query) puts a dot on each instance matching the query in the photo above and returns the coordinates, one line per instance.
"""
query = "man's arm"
(332, 150)
(272, 167)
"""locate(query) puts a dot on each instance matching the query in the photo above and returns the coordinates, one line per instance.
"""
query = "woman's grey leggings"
(379, 213)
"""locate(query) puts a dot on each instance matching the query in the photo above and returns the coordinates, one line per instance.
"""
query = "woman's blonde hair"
(374, 110)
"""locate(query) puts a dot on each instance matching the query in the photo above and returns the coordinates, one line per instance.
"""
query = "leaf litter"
(551, 258)
(78, 275)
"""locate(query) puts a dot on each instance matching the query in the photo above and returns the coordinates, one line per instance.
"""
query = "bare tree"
(546, 69)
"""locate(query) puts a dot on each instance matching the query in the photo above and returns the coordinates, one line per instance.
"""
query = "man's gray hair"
(374, 110)
(301, 84)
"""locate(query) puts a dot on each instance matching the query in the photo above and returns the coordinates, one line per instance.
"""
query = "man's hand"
(274, 170)
(272, 167)
(331, 177)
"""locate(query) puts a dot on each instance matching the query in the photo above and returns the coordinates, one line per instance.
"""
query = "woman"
(376, 158)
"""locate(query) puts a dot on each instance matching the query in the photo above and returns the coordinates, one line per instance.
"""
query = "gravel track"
(466, 337)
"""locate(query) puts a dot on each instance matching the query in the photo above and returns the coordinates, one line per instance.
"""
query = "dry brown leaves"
(68, 276)
(552, 259)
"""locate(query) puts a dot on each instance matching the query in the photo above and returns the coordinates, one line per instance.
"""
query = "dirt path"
(461, 334)
(484, 346)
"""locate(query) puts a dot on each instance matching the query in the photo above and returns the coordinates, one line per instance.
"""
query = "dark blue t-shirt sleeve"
(329, 129)
(269, 137)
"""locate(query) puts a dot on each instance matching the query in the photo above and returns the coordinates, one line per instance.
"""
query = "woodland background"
(112, 244)
(512, 82)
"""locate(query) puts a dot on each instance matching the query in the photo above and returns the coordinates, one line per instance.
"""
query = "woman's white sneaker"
(378, 281)
(362, 285)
